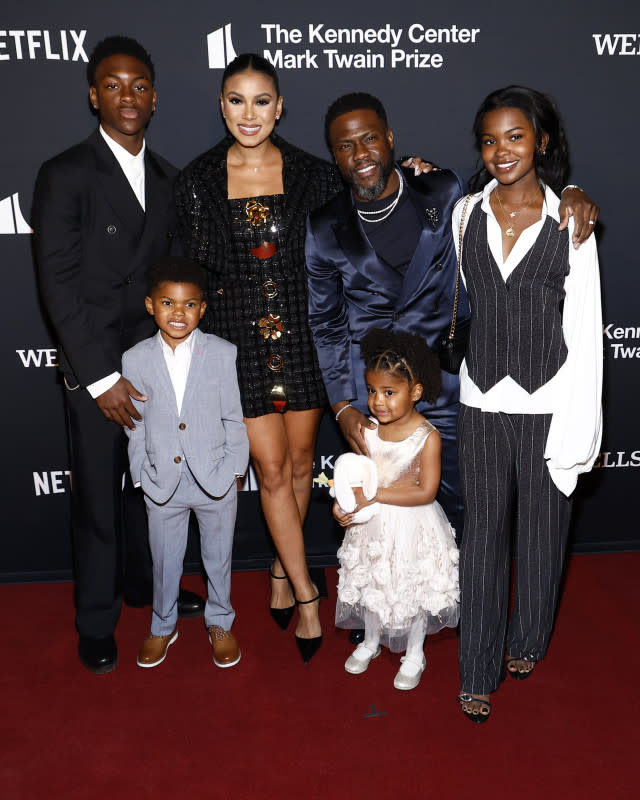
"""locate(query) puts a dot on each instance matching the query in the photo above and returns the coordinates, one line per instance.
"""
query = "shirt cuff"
(103, 385)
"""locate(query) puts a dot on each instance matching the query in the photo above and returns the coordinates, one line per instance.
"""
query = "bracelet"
(572, 186)
(342, 409)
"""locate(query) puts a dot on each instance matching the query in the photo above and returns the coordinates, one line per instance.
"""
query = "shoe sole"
(358, 670)
(100, 670)
(229, 664)
(160, 660)
(414, 678)
(407, 688)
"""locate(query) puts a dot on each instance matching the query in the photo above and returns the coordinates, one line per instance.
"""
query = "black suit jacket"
(93, 245)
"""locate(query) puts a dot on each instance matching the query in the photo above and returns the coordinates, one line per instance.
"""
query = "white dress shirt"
(133, 168)
(178, 362)
(574, 395)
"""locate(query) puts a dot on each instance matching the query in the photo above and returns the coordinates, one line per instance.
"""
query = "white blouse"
(574, 395)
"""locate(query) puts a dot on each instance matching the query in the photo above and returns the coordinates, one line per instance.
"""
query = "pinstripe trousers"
(502, 466)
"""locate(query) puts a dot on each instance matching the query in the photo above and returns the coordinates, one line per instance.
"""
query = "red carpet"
(274, 728)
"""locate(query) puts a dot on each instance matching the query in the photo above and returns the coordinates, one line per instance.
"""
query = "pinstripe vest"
(516, 326)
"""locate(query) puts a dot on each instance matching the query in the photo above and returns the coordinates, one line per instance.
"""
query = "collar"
(186, 346)
(126, 160)
(550, 205)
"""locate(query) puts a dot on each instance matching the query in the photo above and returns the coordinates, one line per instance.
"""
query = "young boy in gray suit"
(186, 453)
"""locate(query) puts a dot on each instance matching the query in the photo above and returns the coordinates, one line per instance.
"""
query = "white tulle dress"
(401, 565)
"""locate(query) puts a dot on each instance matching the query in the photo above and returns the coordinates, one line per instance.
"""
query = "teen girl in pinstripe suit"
(530, 390)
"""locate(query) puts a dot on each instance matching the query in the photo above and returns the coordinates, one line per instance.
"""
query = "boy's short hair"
(176, 269)
(118, 46)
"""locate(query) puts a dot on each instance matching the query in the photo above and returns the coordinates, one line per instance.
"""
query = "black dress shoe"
(356, 636)
(98, 655)
(136, 601)
(190, 605)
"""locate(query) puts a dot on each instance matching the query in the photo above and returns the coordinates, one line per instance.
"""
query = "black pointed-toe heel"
(281, 616)
(308, 647)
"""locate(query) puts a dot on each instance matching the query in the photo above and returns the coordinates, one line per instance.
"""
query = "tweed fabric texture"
(216, 233)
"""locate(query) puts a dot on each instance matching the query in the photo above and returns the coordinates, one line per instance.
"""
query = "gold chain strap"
(452, 330)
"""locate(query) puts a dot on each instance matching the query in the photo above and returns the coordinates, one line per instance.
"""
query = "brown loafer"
(154, 649)
(226, 652)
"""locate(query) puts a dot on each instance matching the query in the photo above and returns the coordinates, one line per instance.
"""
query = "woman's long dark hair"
(551, 168)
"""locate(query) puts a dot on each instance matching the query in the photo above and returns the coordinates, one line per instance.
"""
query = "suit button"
(111, 229)
(177, 459)
(182, 426)
(396, 317)
(439, 267)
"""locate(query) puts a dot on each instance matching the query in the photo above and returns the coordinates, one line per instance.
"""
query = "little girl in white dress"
(398, 575)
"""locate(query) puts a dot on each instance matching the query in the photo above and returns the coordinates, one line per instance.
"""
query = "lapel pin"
(432, 216)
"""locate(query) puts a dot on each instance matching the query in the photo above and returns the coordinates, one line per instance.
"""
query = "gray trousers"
(168, 531)
(502, 467)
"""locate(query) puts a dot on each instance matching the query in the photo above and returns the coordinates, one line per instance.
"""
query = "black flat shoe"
(98, 655)
(308, 647)
(281, 616)
(190, 605)
(479, 716)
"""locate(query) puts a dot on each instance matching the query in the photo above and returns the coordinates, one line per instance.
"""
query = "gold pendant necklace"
(510, 231)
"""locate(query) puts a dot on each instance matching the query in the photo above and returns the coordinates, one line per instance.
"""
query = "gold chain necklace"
(510, 232)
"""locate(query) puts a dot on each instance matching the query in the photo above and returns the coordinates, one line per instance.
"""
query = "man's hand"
(419, 166)
(116, 403)
(352, 423)
(575, 203)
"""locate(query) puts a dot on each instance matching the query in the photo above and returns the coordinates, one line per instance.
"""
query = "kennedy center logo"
(11, 219)
(220, 47)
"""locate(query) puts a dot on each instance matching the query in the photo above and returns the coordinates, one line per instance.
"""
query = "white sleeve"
(97, 388)
(575, 434)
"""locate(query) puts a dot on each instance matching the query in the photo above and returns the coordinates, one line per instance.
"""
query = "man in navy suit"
(103, 211)
(381, 254)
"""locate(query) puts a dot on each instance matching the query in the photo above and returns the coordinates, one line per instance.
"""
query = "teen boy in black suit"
(103, 212)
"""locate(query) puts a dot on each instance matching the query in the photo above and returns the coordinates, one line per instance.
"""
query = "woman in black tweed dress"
(242, 208)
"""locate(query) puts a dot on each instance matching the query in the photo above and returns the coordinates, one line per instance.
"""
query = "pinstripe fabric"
(501, 467)
(516, 326)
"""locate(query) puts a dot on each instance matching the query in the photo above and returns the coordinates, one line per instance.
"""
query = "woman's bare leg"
(270, 453)
(302, 432)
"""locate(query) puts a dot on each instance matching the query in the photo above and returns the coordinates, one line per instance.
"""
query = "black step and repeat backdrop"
(431, 64)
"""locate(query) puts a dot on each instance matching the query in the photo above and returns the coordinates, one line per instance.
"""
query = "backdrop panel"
(431, 66)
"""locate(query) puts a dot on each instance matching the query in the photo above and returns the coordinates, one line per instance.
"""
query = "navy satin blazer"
(347, 292)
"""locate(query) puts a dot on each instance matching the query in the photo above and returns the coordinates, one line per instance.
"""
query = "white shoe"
(360, 659)
(409, 674)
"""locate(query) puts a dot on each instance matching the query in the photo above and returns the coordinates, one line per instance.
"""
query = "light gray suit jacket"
(208, 433)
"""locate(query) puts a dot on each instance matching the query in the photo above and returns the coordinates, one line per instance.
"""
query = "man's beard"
(369, 193)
